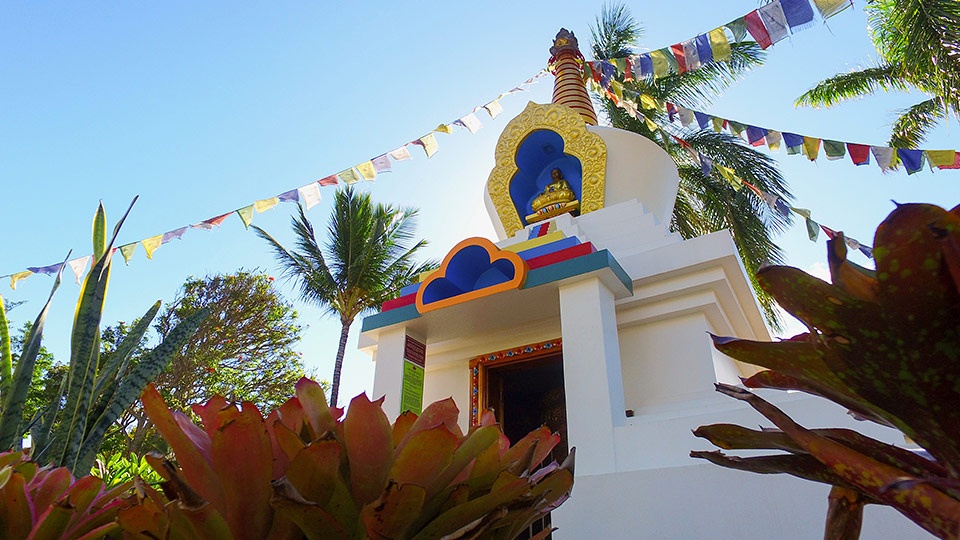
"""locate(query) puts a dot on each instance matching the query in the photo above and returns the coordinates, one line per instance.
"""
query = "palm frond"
(915, 122)
(855, 84)
(701, 86)
(615, 32)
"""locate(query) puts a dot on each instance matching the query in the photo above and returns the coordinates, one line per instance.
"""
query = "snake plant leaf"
(424, 458)
(929, 507)
(6, 357)
(11, 419)
(242, 460)
(117, 365)
(394, 512)
(315, 471)
(368, 439)
(321, 417)
(99, 232)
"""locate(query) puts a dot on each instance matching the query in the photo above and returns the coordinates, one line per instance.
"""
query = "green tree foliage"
(705, 203)
(244, 350)
(919, 46)
(366, 259)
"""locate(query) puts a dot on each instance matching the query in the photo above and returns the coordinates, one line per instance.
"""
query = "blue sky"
(204, 108)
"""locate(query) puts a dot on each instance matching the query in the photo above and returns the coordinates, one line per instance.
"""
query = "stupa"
(589, 315)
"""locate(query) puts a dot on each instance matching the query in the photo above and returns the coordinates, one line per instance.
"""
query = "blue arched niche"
(539, 153)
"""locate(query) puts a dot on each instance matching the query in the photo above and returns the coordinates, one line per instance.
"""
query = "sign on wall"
(414, 359)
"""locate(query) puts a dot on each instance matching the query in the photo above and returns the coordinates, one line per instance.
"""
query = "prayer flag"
(736, 127)
(208, 224)
(730, 176)
(471, 122)
(127, 251)
(783, 208)
(755, 135)
(774, 20)
(660, 67)
(703, 48)
(829, 8)
(616, 87)
(793, 141)
(852, 243)
(719, 44)
(943, 159)
(813, 229)
(866, 250)
(48, 270)
(400, 154)
(706, 165)
(429, 144)
(773, 140)
(650, 124)
(703, 120)
(608, 72)
(645, 63)
(494, 108)
(79, 266)
(381, 164)
(831, 234)
(834, 149)
(685, 115)
(367, 171)
(329, 180)
(912, 159)
(153, 243)
(859, 153)
(738, 27)
(799, 14)
(677, 50)
(263, 205)
(175, 234)
(349, 176)
(444, 128)
(289, 196)
(17, 277)
(884, 156)
(802, 212)
(718, 124)
(691, 55)
(811, 147)
(757, 31)
(648, 102)
(309, 195)
(671, 111)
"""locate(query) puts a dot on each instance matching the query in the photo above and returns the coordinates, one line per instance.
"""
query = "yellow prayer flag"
(803, 212)
(617, 89)
(429, 143)
(127, 251)
(939, 158)
(717, 124)
(349, 176)
(811, 147)
(246, 216)
(367, 171)
(17, 277)
(444, 128)
(648, 101)
(151, 244)
(660, 66)
(650, 124)
(829, 8)
(728, 174)
(719, 44)
(263, 205)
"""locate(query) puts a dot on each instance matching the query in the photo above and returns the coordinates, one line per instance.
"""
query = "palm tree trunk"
(338, 365)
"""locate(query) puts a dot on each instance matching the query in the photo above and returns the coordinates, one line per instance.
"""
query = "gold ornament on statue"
(555, 199)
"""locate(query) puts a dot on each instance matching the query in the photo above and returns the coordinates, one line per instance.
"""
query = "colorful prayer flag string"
(308, 195)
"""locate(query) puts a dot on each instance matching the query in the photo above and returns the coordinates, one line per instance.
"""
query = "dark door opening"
(528, 394)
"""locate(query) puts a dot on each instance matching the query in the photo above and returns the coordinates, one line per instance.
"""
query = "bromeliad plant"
(886, 345)
(71, 430)
(305, 472)
(44, 502)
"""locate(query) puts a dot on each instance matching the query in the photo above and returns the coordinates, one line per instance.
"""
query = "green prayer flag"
(246, 215)
(738, 28)
(736, 127)
(813, 229)
(834, 149)
(127, 252)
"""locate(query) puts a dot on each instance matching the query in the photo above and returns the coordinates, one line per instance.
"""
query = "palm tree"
(366, 259)
(705, 203)
(919, 46)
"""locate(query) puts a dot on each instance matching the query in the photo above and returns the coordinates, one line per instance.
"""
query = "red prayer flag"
(329, 181)
(628, 73)
(830, 232)
(859, 153)
(757, 29)
(681, 59)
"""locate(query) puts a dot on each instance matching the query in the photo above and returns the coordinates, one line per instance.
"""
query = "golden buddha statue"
(555, 199)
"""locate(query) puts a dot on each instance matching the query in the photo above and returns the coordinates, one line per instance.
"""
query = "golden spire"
(568, 87)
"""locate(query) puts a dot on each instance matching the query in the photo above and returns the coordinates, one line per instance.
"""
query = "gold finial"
(568, 87)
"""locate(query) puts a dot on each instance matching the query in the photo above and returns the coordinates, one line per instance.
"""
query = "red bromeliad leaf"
(426, 455)
(853, 279)
(15, 513)
(464, 456)
(315, 471)
(321, 417)
(280, 458)
(802, 466)
(288, 442)
(734, 437)
(369, 443)
(313, 521)
(528, 455)
(506, 489)
(208, 413)
(394, 512)
(195, 463)
(402, 426)
(439, 413)
(844, 514)
(291, 415)
(48, 488)
(243, 458)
